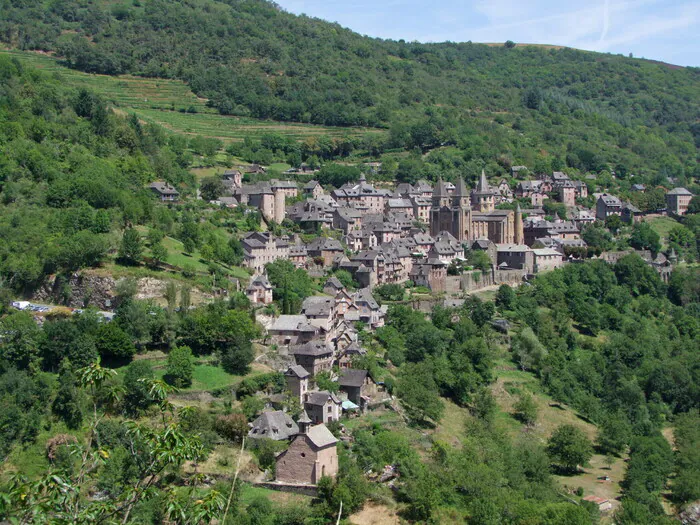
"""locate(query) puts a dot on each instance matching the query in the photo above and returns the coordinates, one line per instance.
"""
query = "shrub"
(180, 367)
(233, 427)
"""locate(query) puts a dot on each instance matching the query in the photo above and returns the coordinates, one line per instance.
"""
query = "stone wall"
(476, 280)
(306, 490)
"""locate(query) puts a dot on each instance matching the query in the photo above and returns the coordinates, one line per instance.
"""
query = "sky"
(666, 30)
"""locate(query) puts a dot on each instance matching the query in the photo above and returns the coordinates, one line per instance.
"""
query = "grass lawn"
(663, 225)
(178, 257)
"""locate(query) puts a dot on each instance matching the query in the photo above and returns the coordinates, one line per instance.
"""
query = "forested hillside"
(583, 110)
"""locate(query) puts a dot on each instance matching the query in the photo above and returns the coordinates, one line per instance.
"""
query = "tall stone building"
(470, 216)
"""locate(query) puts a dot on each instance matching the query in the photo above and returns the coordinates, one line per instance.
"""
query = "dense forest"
(545, 108)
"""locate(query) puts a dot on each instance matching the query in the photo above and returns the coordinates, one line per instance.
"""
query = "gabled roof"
(317, 306)
(288, 322)
(273, 425)
(365, 295)
(320, 436)
(352, 378)
(679, 191)
(297, 371)
(334, 282)
(313, 348)
(320, 398)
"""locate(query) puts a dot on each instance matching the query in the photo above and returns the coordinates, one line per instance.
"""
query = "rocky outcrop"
(79, 291)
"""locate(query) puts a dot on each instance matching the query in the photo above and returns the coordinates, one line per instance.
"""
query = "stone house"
(260, 248)
(292, 330)
(678, 200)
(421, 208)
(311, 455)
(370, 311)
(322, 406)
(324, 248)
(320, 311)
(288, 188)
(358, 385)
(567, 193)
(547, 259)
(314, 356)
(297, 381)
(333, 286)
(165, 191)
(515, 256)
(431, 273)
(630, 213)
(347, 219)
(259, 291)
(352, 351)
(602, 503)
(313, 189)
(400, 205)
(275, 425)
(606, 206)
(232, 179)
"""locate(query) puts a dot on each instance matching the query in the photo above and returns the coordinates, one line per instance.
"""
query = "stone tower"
(440, 211)
(519, 234)
(483, 197)
(461, 212)
(279, 206)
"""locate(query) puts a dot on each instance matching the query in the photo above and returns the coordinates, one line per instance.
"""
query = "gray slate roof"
(320, 436)
(353, 378)
(321, 398)
(273, 425)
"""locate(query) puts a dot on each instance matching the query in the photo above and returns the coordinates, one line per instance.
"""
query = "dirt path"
(375, 514)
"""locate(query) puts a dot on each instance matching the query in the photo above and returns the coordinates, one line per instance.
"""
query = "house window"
(330, 408)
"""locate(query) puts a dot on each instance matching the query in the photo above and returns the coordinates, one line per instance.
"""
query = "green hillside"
(171, 104)
(544, 107)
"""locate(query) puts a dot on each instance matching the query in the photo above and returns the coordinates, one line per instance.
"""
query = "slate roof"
(259, 282)
(324, 244)
(297, 371)
(163, 188)
(334, 282)
(679, 191)
(610, 200)
(365, 295)
(287, 323)
(352, 377)
(313, 348)
(273, 425)
(320, 436)
(315, 306)
(320, 398)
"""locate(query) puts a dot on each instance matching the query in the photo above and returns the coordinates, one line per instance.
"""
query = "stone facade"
(310, 456)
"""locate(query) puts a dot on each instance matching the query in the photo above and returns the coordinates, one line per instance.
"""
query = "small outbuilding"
(311, 455)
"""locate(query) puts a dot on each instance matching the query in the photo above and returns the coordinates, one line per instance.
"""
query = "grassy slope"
(509, 383)
(663, 225)
(164, 102)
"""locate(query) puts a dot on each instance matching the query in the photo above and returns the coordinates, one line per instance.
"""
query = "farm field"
(171, 104)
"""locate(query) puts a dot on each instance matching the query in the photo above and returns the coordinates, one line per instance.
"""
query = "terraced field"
(171, 104)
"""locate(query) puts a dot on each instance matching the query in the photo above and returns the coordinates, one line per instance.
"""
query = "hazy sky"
(667, 30)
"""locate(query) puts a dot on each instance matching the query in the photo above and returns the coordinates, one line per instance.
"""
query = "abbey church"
(473, 215)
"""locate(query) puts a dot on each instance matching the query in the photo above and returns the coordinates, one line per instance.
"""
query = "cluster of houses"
(321, 340)
(415, 232)
(412, 232)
